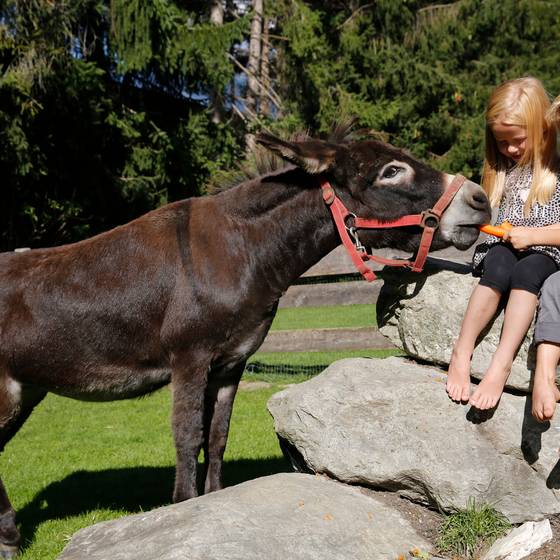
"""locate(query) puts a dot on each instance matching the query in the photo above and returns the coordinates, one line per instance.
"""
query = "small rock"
(521, 541)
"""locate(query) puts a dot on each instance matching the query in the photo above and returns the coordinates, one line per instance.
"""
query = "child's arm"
(525, 237)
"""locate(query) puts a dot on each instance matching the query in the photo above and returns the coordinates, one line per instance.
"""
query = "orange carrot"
(498, 231)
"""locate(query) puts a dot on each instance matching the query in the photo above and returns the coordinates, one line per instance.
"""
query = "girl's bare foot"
(458, 384)
(490, 389)
(545, 397)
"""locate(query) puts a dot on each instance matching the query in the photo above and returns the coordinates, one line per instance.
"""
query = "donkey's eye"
(390, 172)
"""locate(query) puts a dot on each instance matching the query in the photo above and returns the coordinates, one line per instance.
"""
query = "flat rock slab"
(309, 340)
(388, 423)
(327, 294)
(284, 516)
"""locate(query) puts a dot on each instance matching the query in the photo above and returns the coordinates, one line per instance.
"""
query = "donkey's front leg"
(222, 388)
(189, 381)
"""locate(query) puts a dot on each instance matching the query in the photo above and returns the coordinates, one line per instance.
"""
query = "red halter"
(428, 220)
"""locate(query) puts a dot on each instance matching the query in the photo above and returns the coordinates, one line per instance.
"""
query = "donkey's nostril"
(480, 199)
(477, 198)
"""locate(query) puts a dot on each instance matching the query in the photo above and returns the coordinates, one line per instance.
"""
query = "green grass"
(74, 463)
(359, 315)
(466, 533)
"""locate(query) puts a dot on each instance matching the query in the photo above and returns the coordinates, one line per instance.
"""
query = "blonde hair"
(522, 102)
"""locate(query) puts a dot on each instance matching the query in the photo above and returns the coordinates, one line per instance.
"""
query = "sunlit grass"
(74, 463)
(336, 316)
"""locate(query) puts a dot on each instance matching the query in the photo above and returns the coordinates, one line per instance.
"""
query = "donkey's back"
(86, 319)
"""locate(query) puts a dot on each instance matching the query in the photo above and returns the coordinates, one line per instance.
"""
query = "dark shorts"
(506, 269)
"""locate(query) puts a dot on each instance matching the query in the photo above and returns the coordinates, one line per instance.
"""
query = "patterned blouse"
(516, 190)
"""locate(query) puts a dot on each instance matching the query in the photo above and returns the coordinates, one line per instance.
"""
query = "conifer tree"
(109, 108)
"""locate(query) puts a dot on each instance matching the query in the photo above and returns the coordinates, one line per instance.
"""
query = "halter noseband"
(428, 220)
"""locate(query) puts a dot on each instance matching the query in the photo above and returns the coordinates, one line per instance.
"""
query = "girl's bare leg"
(482, 306)
(545, 391)
(519, 313)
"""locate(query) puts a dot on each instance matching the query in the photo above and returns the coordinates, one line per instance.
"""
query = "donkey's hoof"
(8, 551)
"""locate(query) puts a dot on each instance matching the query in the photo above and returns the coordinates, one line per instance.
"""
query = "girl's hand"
(520, 237)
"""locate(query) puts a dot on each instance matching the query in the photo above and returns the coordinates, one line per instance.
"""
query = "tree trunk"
(253, 67)
(217, 12)
(216, 101)
(265, 69)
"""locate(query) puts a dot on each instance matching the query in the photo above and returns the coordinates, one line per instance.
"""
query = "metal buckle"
(429, 219)
(353, 233)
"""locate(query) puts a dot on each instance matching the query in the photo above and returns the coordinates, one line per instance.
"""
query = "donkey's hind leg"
(222, 387)
(16, 404)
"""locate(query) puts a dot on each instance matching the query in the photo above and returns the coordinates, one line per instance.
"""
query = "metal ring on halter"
(427, 217)
(349, 215)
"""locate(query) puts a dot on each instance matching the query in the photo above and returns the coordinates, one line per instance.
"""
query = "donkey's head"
(376, 180)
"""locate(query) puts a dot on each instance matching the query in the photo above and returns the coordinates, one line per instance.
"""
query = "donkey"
(186, 293)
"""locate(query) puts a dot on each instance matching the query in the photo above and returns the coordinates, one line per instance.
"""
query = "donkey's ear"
(314, 156)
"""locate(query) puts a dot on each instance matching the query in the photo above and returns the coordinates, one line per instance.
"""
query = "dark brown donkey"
(186, 293)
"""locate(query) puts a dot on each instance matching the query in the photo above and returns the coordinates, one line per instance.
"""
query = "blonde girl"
(520, 177)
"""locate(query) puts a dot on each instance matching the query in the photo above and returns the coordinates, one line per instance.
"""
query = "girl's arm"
(525, 237)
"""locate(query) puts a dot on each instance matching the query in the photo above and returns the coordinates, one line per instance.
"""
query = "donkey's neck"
(286, 226)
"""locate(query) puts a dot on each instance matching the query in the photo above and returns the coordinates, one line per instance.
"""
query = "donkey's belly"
(108, 383)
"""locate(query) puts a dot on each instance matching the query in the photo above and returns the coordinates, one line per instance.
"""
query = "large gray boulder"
(422, 314)
(389, 424)
(285, 516)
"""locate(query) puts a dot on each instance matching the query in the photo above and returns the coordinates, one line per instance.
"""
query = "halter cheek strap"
(428, 220)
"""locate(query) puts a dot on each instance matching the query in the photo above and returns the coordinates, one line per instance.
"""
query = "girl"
(519, 175)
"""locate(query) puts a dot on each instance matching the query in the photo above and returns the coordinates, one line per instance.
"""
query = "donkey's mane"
(261, 161)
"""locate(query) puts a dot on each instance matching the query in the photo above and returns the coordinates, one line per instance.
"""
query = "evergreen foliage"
(418, 72)
(99, 121)
(104, 104)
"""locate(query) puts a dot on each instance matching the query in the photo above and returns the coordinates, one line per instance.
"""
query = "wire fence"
(261, 368)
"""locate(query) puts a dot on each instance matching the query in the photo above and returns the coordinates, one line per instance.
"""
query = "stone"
(520, 542)
(245, 385)
(388, 424)
(310, 340)
(331, 293)
(422, 314)
(288, 515)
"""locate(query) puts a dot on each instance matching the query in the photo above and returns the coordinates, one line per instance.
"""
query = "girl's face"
(511, 140)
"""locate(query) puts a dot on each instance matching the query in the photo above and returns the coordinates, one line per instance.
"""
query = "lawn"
(340, 316)
(77, 463)
(302, 365)
(74, 463)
